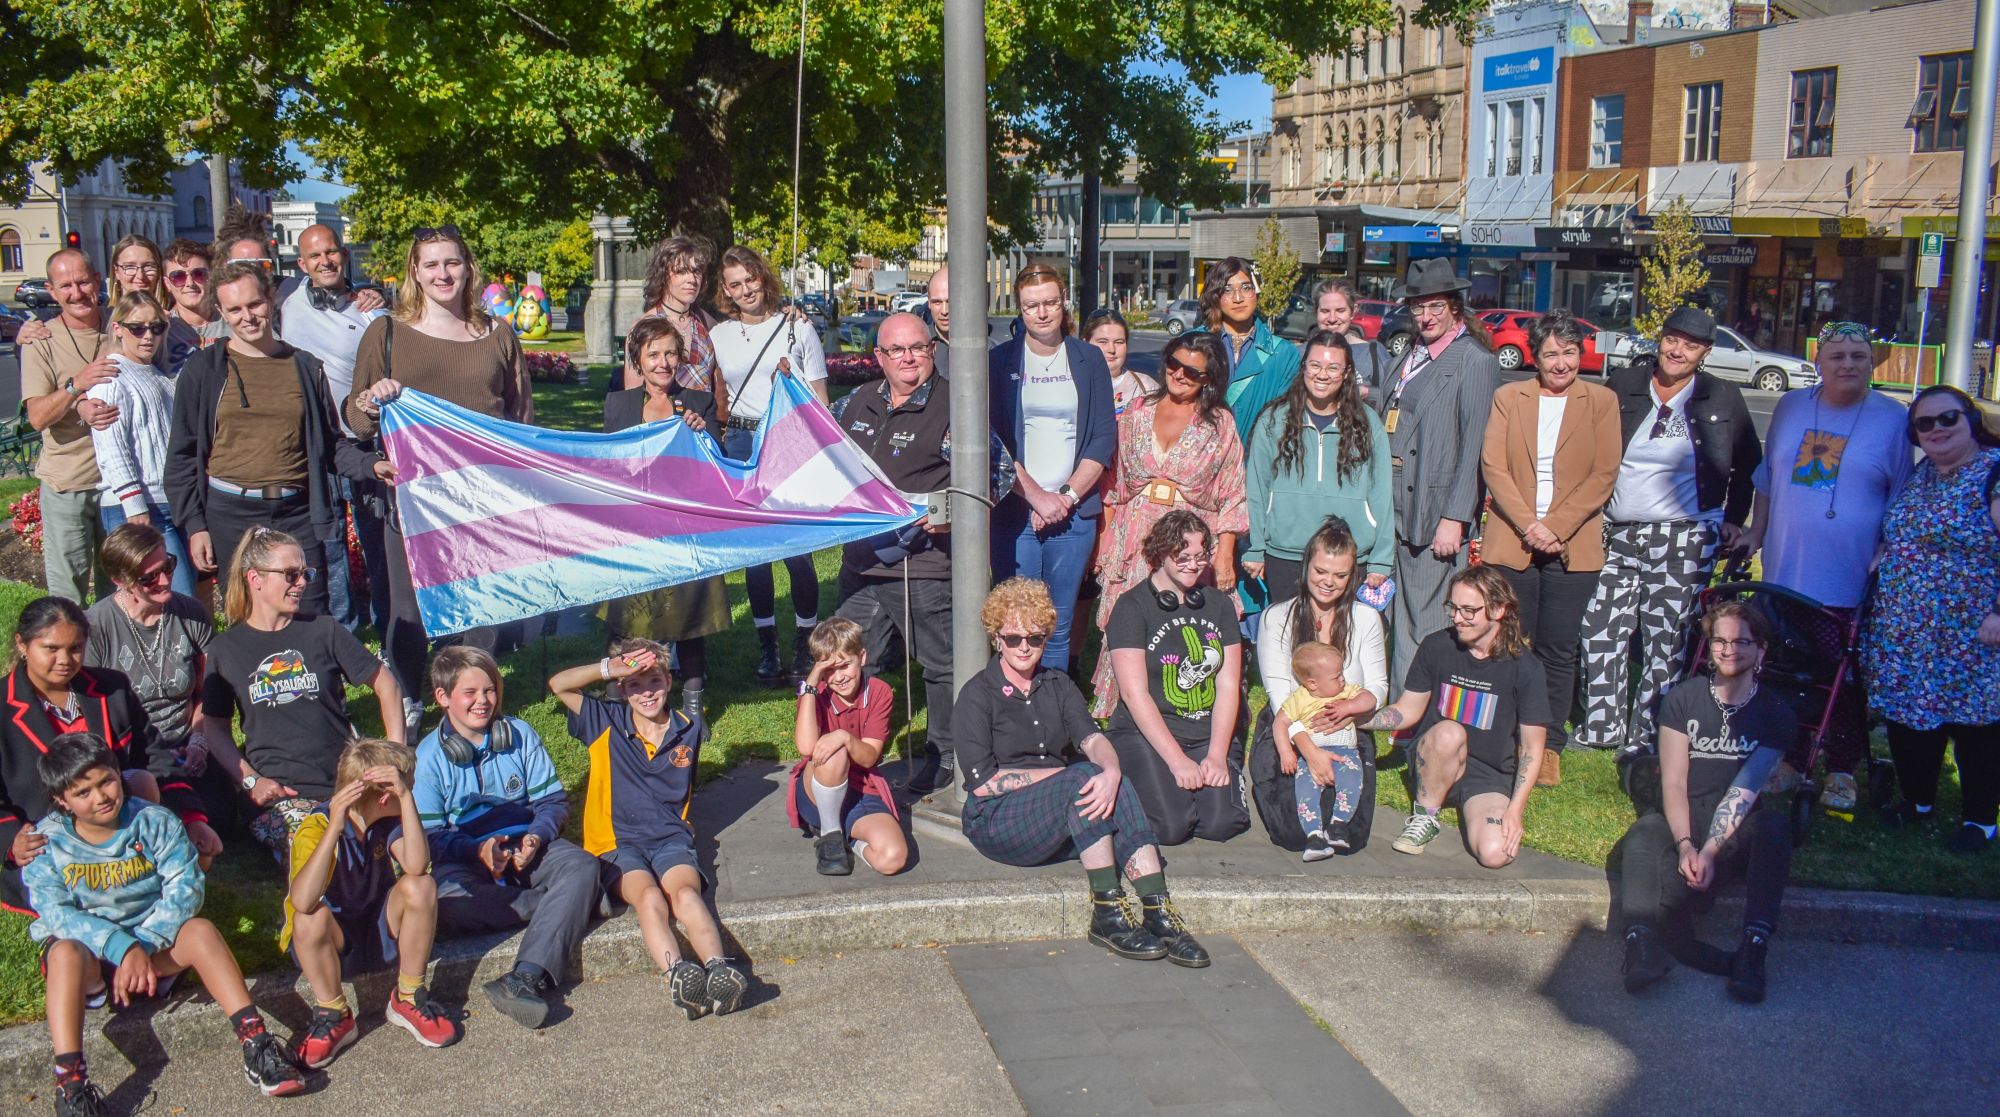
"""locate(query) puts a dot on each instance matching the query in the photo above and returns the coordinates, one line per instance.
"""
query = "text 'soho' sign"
(504, 521)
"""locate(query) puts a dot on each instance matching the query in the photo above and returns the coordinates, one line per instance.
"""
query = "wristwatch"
(1065, 491)
(70, 387)
(806, 688)
(250, 781)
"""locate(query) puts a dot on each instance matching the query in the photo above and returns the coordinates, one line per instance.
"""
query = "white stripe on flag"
(476, 493)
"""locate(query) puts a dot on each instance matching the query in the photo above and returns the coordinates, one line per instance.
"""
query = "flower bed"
(551, 368)
(25, 514)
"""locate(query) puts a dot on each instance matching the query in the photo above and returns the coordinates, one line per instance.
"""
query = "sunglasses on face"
(1943, 420)
(143, 329)
(159, 575)
(428, 233)
(1032, 639)
(180, 277)
(1192, 372)
(293, 575)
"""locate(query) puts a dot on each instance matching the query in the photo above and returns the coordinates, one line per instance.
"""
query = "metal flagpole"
(965, 206)
(1970, 254)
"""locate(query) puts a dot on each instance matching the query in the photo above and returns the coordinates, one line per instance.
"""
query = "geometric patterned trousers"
(1652, 574)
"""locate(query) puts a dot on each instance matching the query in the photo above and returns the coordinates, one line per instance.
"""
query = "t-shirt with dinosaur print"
(1183, 647)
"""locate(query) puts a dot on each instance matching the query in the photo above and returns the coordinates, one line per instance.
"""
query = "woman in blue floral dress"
(1931, 653)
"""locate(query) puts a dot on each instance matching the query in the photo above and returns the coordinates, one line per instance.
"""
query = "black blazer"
(111, 710)
(626, 407)
(1726, 448)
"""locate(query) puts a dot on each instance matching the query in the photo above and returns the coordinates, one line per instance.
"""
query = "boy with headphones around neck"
(494, 810)
(642, 767)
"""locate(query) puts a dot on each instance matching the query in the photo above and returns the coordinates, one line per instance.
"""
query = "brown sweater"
(259, 439)
(485, 375)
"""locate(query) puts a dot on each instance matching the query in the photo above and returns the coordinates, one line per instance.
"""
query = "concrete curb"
(1027, 908)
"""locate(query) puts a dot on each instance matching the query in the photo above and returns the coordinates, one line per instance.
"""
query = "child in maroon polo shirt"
(843, 722)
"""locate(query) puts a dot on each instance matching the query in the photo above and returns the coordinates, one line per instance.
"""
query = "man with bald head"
(904, 424)
(937, 295)
(55, 373)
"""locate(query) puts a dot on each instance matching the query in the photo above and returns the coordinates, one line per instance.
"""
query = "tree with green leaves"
(1278, 268)
(1673, 271)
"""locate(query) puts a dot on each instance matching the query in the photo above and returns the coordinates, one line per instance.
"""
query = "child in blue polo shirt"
(494, 810)
(642, 765)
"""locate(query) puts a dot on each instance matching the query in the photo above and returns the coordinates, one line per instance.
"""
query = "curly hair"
(1212, 402)
(1355, 446)
(1559, 324)
(679, 253)
(1499, 597)
(1020, 599)
(1759, 626)
(1170, 534)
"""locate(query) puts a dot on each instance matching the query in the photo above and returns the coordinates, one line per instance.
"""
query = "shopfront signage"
(1596, 237)
(1810, 227)
(1914, 227)
(1731, 256)
(1492, 233)
(1520, 69)
(1401, 234)
(1708, 226)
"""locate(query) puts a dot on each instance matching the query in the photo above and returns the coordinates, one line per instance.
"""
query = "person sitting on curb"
(362, 898)
(1043, 784)
(1319, 760)
(836, 792)
(642, 765)
(1483, 736)
(1720, 740)
(494, 810)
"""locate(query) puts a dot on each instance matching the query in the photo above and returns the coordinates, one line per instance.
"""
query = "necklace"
(1049, 363)
(95, 349)
(1821, 450)
(152, 660)
(1728, 711)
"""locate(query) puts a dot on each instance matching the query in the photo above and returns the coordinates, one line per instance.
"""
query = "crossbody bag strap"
(758, 360)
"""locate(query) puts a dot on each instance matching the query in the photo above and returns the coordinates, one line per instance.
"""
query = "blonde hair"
(410, 296)
(256, 549)
(158, 290)
(1022, 599)
(1314, 653)
(838, 636)
(364, 753)
(137, 300)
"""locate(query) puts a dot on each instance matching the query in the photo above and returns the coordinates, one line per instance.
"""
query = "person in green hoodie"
(1318, 452)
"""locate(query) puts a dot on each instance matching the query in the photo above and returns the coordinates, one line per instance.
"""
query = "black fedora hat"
(1697, 324)
(1434, 276)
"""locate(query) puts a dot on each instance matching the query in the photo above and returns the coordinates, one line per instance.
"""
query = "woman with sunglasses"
(287, 673)
(1043, 784)
(1931, 648)
(132, 451)
(439, 340)
(1835, 456)
(1052, 409)
(1261, 365)
(194, 323)
(1177, 451)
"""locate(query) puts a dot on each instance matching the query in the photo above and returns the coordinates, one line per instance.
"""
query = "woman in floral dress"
(1931, 653)
(1177, 448)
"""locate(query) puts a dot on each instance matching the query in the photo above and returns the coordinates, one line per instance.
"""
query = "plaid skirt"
(1041, 823)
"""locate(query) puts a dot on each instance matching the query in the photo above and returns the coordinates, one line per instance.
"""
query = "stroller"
(1795, 668)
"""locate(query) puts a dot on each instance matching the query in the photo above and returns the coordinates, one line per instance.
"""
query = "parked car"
(815, 309)
(857, 331)
(1180, 316)
(911, 301)
(34, 291)
(1512, 347)
(11, 321)
(1732, 358)
(1377, 319)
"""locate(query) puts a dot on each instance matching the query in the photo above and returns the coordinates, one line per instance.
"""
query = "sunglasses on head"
(1014, 639)
(179, 277)
(1943, 420)
(144, 329)
(428, 233)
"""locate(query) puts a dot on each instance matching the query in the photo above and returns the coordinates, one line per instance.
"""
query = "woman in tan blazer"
(1550, 461)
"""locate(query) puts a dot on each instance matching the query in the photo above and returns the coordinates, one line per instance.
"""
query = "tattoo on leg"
(1493, 820)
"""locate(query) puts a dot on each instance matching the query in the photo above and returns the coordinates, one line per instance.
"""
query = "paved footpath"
(1451, 1024)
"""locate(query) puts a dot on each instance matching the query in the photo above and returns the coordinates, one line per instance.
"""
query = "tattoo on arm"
(1522, 775)
(1729, 815)
(1388, 718)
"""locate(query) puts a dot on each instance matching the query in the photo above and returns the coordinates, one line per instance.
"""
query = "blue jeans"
(352, 607)
(1058, 556)
(111, 514)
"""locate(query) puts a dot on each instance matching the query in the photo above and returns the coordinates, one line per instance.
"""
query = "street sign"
(1933, 244)
(1401, 234)
(1930, 271)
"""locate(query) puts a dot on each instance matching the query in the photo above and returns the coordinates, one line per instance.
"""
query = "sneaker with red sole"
(269, 1067)
(328, 1035)
(424, 1018)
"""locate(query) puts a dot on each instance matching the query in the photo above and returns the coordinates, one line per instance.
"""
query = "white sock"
(827, 801)
(860, 849)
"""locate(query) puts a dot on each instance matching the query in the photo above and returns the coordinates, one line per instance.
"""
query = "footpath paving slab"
(1501, 1024)
(1083, 1032)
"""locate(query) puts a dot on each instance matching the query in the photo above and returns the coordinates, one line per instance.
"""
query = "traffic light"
(73, 239)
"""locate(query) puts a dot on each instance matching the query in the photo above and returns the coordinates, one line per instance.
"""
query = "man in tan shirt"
(55, 373)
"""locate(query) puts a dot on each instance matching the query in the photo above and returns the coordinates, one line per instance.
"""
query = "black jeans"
(1650, 866)
(1919, 757)
(1552, 603)
(405, 645)
(757, 579)
(231, 517)
(876, 604)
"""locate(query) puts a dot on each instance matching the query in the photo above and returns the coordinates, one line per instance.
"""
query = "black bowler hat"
(1430, 277)
(1697, 324)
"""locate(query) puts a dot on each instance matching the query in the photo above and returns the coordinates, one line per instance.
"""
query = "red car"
(1510, 340)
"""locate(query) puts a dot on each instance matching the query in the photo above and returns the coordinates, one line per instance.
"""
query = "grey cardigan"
(1440, 430)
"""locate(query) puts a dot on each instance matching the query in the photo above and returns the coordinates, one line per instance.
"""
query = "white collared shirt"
(334, 336)
(1656, 481)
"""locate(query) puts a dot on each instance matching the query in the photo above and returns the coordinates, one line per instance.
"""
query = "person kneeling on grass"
(642, 764)
(1720, 740)
(1043, 784)
(1329, 759)
(836, 793)
(118, 886)
(362, 898)
(494, 810)
(1484, 733)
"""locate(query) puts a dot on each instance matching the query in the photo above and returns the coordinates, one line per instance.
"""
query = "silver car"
(1732, 358)
(1180, 316)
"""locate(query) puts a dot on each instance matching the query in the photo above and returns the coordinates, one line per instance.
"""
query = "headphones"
(458, 750)
(1168, 600)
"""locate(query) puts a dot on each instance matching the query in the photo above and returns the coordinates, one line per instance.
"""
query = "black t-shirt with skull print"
(1184, 647)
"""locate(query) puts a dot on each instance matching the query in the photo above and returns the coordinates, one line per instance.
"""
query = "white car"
(911, 301)
(1732, 358)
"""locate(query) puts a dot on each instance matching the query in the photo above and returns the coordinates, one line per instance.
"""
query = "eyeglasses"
(1721, 643)
(904, 352)
(1431, 308)
(1661, 422)
(1041, 306)
(1194, 561)
(1853, 330)
(1466, 611)
(1325, 367)
(1032, 639)
(136, 269)
(1943, 420)
(1239, 290)
(159, 575)
(1192, 372)
(179, 277)
(428, 233)
(144, 329)
(293, 575)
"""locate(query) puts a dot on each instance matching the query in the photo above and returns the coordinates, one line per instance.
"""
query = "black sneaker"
(1317, 847)
(1646, 958)
(520, 997)
(835, 859)
(1113, 928)
(1677, 933)
(78, 1097)
(726, 986)
(802, 660)
(269, 1067)
(1968, 839)
(1164, 921)
(687, 984)
(1746, 971)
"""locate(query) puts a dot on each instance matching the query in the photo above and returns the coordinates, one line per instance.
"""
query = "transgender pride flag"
(504, 521)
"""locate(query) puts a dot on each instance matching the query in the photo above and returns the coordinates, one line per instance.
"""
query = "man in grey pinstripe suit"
(1434, 404)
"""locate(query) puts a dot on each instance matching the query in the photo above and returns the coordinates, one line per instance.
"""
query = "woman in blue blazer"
(1052, 408)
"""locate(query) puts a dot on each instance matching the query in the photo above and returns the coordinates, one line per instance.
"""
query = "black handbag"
(1272, 789)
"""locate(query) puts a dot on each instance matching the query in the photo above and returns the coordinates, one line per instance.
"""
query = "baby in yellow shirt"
(1330, 759)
